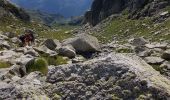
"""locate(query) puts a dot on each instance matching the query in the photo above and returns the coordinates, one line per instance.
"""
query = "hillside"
(15, 19)
(135, 9)
(45, 18)
(121, 52)
(132, 18)
(9, 10)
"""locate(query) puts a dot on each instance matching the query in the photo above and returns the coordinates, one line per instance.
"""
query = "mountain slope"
(101, 9)
(45, 18)
(9, 10)
(66, 8)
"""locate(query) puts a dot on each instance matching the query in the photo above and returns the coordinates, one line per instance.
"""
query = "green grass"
(8, 24)
(4, 64)
(55, 60)
(123, 28)
(39, 64)
(61, 60)
(124, 50)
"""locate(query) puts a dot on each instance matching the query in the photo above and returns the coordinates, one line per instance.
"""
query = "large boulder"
(67, 51)
(121, 76)
(84, 43)
(51, 44)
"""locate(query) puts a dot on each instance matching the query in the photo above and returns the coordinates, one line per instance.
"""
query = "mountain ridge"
(66, 8)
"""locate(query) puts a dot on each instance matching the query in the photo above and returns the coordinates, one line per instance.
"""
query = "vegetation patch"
(54, 60)
(61, 60)
(8, 24)
(124, 50)
(4, 64)
(39, 64)
(158, 68)
(123, 28)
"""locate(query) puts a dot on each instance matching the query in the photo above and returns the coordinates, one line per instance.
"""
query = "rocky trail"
(135, 70)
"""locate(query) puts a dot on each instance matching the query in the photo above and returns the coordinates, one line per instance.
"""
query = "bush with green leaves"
(39, 64)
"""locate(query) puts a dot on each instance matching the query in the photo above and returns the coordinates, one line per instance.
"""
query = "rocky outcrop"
(109, 77)
(101, 9)
(29, 87)
(7, 9)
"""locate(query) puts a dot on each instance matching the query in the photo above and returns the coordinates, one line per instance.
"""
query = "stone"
(142, 51)
(15, 78)
(15, 40)
(45, 50)
(5, 44)
(139, 41)
(166, 55)
(166, 65)
(157, 45)
(164, 13)
(67, 51)
(50, 44)
(32, 53)
(84, 43)
(57, 42)
(24, 59)
(127, 71)
(3, 37)
(22, 89)
(18, 70)
(10, 34)
(78, 59)
(34, 75)
(5, 91)
(9, 56)
(154, 60)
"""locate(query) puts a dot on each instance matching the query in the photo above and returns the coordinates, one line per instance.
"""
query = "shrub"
(39, 64)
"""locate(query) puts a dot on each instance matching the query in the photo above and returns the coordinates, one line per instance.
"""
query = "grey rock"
(24, 59)
(127, 71)
(32, 53)
(78, 59)
(44, 50)
(15, 40)
(23, 89)
(3, 37)
(67, 51)
(10, 34)
(138, 41)
(84, 43)
(5, 44)
(18, 70)
(166, 55)
(154, 60)
(50, 44)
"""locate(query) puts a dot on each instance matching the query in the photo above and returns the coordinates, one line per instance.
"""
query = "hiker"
(28, 38)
